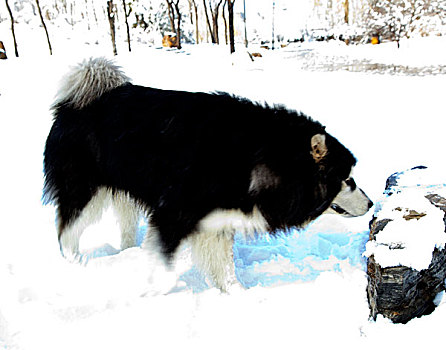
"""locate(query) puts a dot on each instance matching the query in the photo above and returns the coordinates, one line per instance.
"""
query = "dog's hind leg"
(73, 221)
(128, 214)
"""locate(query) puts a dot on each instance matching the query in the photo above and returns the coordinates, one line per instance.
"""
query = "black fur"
(181, 155)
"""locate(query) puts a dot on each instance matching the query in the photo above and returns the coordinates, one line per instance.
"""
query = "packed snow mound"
(415, 226)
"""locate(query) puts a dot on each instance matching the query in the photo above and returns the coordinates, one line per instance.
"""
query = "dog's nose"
(370, 204)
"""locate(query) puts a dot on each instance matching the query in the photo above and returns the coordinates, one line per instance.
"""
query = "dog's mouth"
(340, 210)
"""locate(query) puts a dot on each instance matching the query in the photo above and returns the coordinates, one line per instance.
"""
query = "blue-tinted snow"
(265, 260)
(296, 256)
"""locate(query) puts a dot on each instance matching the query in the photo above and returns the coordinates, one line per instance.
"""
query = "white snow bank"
(308, 287)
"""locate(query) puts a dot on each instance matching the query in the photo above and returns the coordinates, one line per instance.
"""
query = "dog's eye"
(351, 183)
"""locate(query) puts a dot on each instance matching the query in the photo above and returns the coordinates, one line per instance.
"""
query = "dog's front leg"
(212, 252)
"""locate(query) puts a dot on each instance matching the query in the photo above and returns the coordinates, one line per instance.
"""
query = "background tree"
(346, 11)
(244, 23)
(194, 19)
(111, 21)
(225, 22)
(214, 8)
(12, 29)
(231, 25)
(175, 19)
(126, 16)
(44, 26)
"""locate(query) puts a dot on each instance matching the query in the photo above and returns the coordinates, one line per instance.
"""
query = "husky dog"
(200, 166)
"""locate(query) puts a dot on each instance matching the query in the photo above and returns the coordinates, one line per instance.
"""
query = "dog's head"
(335, 165)
(303, 180)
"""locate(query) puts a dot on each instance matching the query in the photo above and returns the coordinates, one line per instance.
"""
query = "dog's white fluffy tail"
(89, 80)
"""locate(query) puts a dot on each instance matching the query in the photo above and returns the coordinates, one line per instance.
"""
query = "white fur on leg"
(127, 213)
(92, 213)
(162, 276)
(212, 244)
(212, 253)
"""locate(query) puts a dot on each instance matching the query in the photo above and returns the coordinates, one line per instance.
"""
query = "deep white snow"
(307, 289)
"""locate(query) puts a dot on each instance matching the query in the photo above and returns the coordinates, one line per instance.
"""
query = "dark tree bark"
(208, 22)
(175, 19)
(44, 27)
(87, 15)
(346, 10)
(94, 12)
(197, 33)
(225, 21)
(111, 21)
(244, 23)
(178, 13)
(126, 16)
(213, 30)
(12, 29)
(214, 13)
(231, 25)
(171, 14)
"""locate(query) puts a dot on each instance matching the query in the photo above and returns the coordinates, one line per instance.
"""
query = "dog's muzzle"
(344, 212)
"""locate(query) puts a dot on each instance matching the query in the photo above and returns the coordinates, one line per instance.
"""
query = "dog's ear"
(262, 178)
(318, 147)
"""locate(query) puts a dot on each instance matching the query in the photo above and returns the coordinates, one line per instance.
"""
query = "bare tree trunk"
(208, 22)
(94, 12)
(190, 12)
(87, 15)
(225, 22)
(178, 14)
(215, 28)
(244, 22)
(197, 33)
(231, 25)
(346, 10)
(214, 14)
(126, 16)
(12, 29)
(272, 29)
(44, 26)
(111, 21)
(175, 15)
(171, 14)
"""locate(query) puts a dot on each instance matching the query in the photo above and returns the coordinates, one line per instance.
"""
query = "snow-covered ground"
(307, 289)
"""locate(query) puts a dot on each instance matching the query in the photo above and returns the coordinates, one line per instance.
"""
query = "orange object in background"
(375, 40)
(169, 41)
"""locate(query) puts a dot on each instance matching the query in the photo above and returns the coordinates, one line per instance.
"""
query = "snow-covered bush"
(396, 19)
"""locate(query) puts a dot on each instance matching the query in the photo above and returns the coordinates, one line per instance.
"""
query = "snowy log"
(406, 257)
